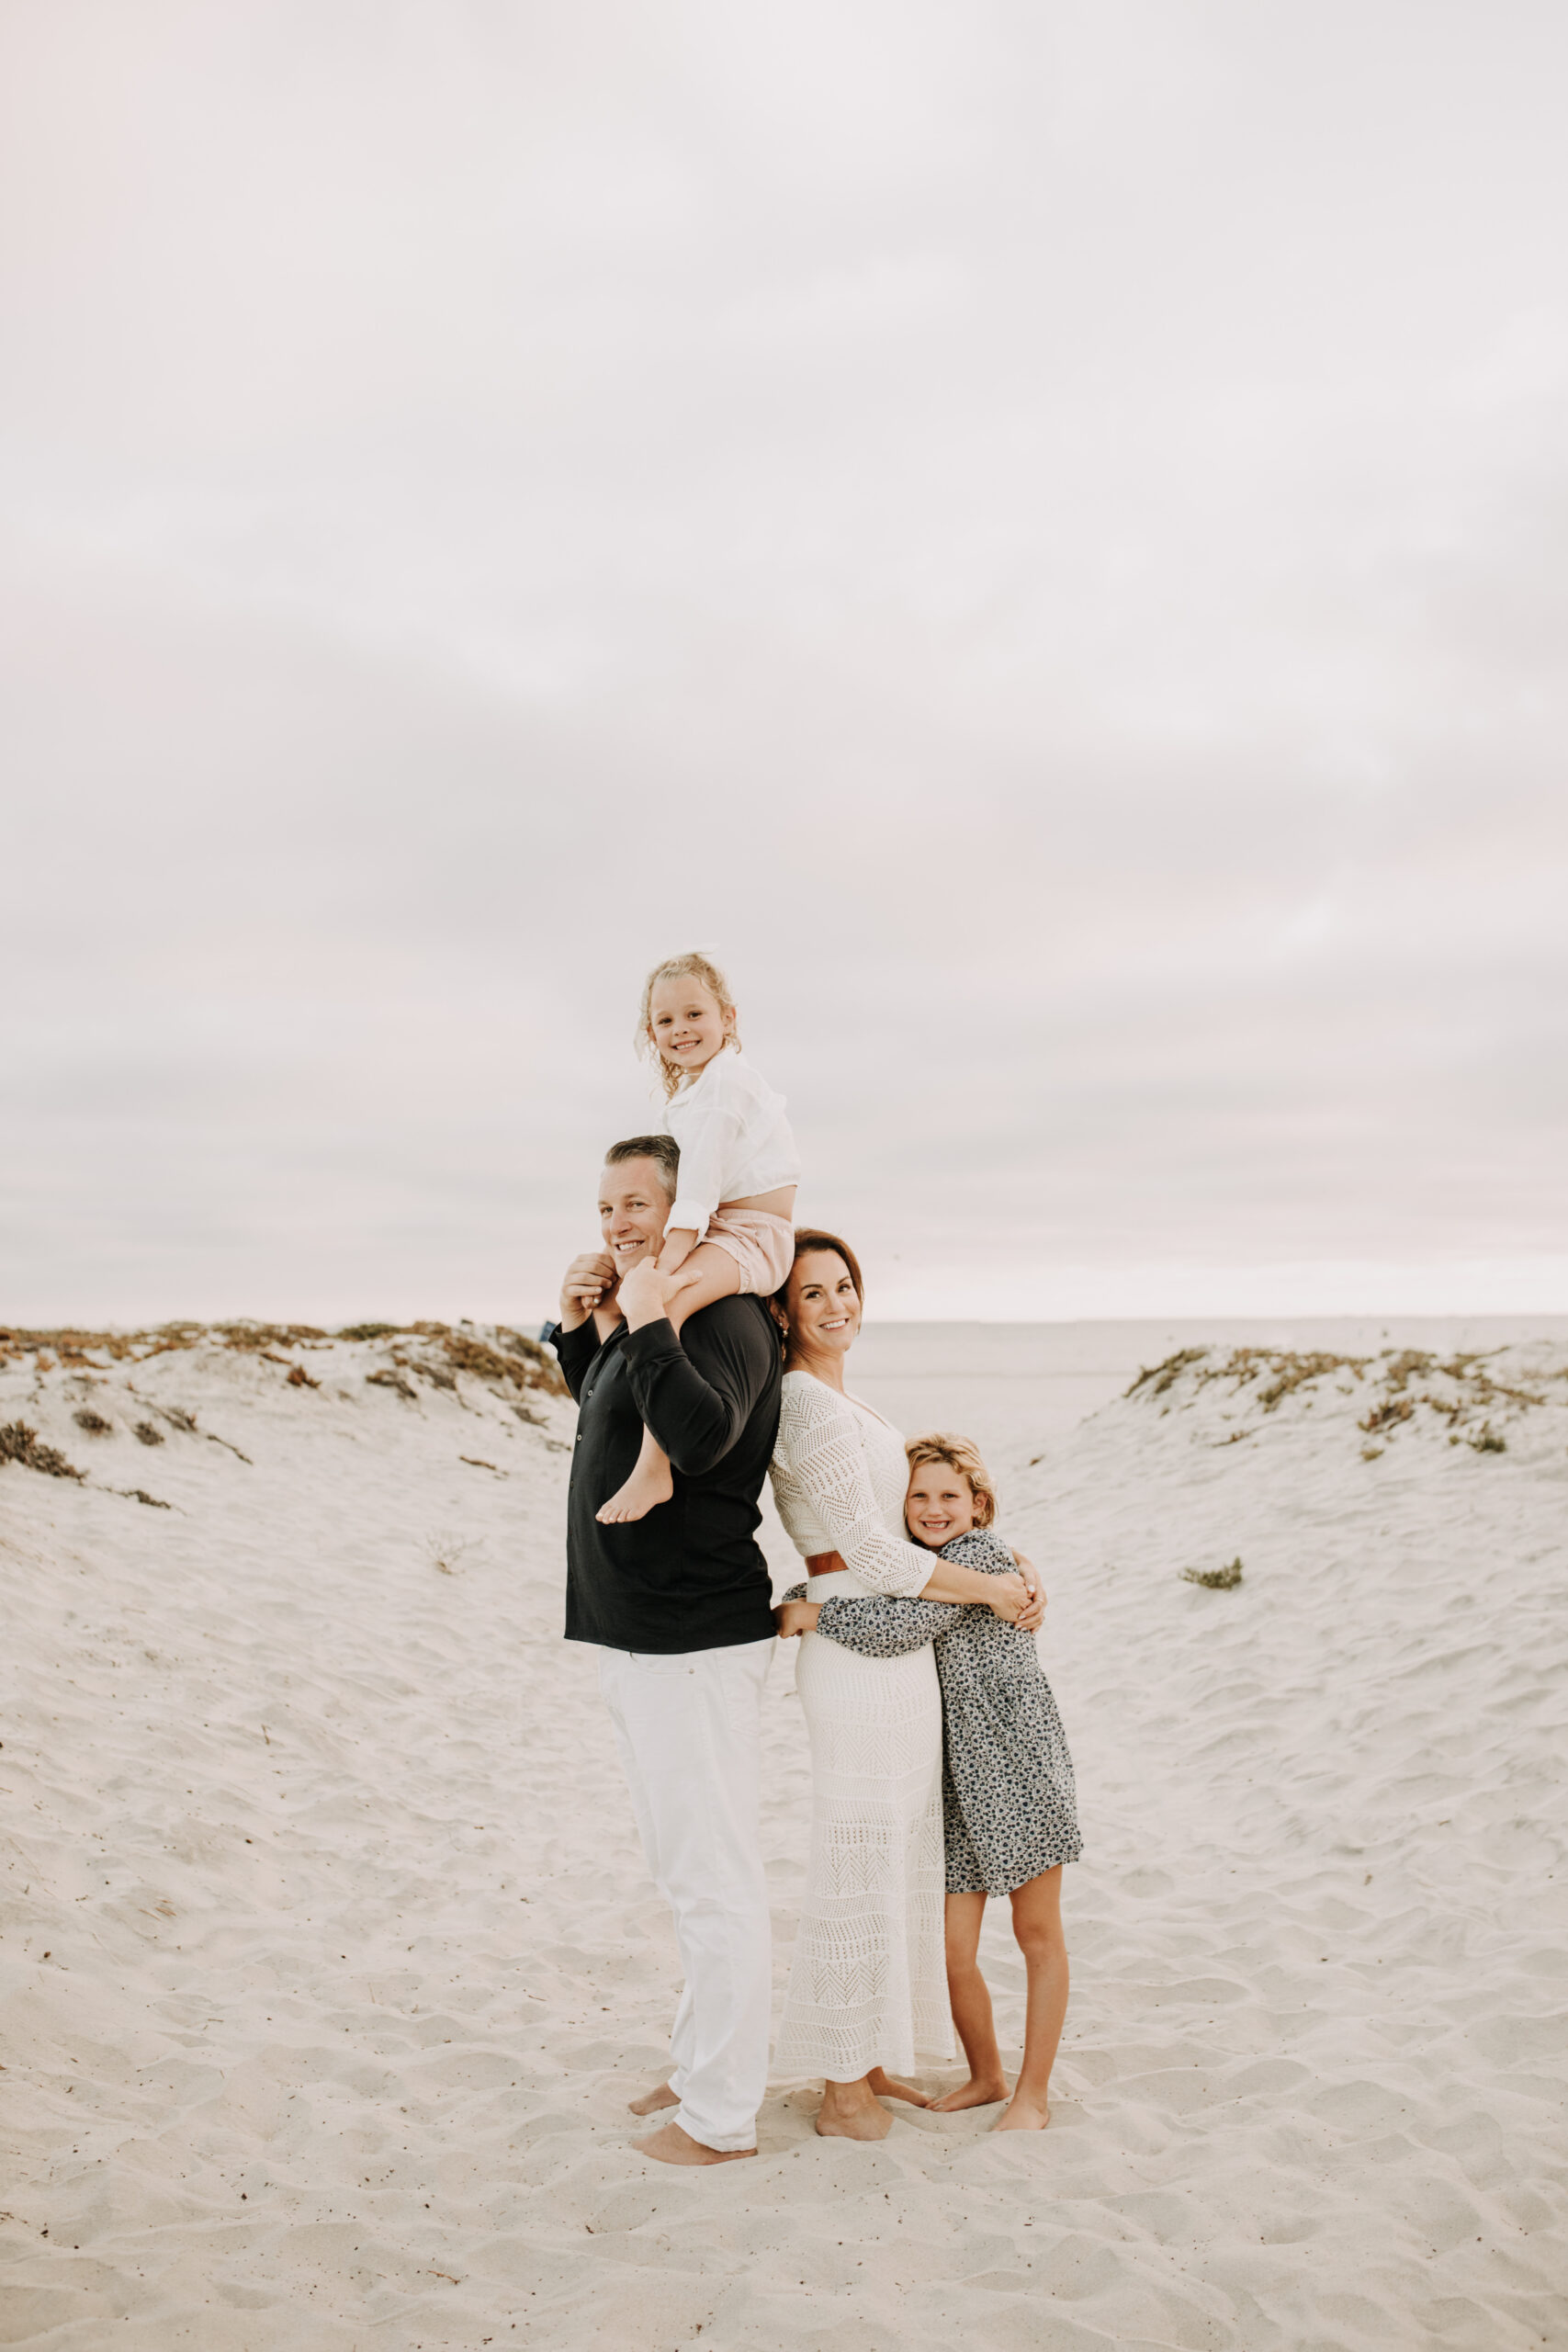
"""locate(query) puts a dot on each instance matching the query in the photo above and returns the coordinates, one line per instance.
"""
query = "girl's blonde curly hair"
(693, 966)
(958, 1453)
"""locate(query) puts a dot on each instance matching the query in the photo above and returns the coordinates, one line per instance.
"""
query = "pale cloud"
(1041, 532)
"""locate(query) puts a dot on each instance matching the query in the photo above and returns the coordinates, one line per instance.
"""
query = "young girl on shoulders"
(729, 1229)
(1009, 1803)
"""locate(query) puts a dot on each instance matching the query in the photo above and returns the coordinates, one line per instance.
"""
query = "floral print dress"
(1010, 1804)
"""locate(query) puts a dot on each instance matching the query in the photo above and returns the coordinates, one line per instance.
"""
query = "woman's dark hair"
(808, 1239)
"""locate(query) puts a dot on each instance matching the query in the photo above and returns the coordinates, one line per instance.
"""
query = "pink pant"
(762, 1246)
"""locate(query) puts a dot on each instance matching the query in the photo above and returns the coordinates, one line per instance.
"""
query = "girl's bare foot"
(1023, 2114)
(642, 1492)
(883, 2087)
(849, 2111)
(651, 2101)
(980, 2090)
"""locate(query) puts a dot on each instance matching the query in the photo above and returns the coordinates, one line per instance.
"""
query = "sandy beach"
(330, 1962)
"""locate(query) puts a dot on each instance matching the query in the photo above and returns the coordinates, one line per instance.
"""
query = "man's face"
(633, 1205)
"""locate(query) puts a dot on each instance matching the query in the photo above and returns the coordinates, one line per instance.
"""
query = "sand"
(329, 1963)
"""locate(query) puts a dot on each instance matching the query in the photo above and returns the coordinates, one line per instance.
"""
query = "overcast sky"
(1037, 530)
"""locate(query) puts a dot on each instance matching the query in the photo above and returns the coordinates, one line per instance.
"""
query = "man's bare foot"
(883, 2087)
(980, 2090)
(643, 1491)
(651, 2101)
(1023, 2114)
(857, 2118)
(674, 2146)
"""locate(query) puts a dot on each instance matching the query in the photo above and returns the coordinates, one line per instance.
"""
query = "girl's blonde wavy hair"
(690, 966)
(958, 1453)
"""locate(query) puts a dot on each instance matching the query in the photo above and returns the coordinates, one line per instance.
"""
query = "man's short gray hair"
(663, 1150)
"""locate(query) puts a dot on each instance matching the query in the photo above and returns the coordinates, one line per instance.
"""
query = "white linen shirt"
(734, 1139)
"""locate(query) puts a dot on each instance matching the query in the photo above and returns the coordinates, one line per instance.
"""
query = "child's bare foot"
(980, 2090)
(642, 1492)
(1023, 2114)
(651, 2101)
(849, 2111)
(883, 2087)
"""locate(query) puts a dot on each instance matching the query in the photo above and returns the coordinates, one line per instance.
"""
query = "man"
(680, 1604)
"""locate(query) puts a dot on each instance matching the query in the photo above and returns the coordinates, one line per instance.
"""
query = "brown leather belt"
(824, 1563)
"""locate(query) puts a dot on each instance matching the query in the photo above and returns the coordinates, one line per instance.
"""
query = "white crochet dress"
(868, 1987)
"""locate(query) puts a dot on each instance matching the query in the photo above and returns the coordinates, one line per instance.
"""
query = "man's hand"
(644, 1294)
(589, 1281)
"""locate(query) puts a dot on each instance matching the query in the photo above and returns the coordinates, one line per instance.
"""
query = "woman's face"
(824, 1311)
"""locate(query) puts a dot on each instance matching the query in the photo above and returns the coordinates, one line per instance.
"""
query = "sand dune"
(329, 1963)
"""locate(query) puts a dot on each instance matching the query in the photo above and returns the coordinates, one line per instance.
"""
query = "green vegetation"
(1460, 1391)
(506, 1358)
(19, 1443)
(1166, 1374)
(1224, 1579)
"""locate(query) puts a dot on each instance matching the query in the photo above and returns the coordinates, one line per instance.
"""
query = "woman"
(868, 1987)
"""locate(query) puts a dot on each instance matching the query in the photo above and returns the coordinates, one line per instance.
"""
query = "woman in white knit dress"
(868, 1988)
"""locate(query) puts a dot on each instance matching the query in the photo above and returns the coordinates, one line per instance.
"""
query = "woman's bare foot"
(674, 2146)
(651, 2101)
(980, 2090)
(883, 2087)
(849, 2111)
(642, 1492)
(1024, 2113)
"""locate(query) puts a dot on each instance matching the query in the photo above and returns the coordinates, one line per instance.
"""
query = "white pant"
(689, 1729)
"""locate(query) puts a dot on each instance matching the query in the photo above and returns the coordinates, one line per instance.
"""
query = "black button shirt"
(691, 1575)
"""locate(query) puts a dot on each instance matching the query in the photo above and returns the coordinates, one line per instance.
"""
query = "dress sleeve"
(714, 1127)
(879, 1626)
(828, 1469)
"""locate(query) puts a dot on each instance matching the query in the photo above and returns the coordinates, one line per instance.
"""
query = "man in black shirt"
(680, 1603)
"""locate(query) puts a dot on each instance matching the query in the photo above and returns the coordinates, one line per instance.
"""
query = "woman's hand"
(1026, 1567)
(794, 1617)
(1033, 1617)
(1013, 1602)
